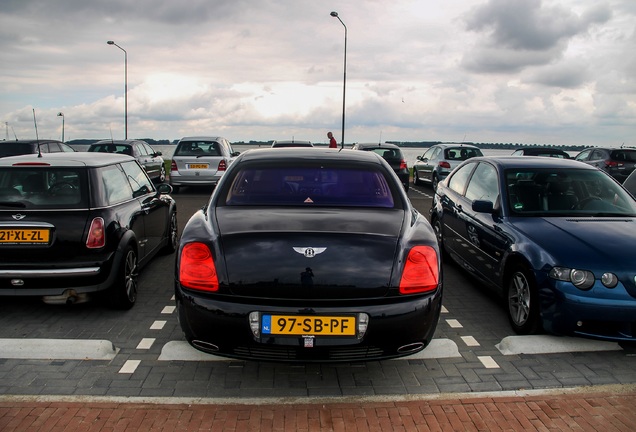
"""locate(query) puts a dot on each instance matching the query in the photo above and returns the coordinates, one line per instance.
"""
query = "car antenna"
(380, 142)
(37, 138)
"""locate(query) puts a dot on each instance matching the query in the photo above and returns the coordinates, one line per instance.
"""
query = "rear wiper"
(12, 204)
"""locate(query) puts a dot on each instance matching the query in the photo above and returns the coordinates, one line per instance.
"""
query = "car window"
(140, 149)
(459, 177)
(137, 178)
(427, 154)
(198, 148)
(116, 187)
(597, 154)
(623, 155)
(583, 155)
(309, 186)
(541, 192)
(461, 153)
(483, 184)
(49, 187)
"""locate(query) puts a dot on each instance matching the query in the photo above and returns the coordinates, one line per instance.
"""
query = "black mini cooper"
(72, 224)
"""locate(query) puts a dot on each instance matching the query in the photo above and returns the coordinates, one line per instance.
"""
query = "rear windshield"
(461, 153)
(386, 153)
(309, 186)
(49, 187)
(198, 148)
(624, 155)
(111, 148)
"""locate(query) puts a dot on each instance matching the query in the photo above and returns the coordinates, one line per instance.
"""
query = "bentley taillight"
(96, 236)
(421, 273)
(196, 268)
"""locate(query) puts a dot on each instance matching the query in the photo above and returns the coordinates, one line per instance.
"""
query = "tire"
(435, 182)
(523, 301)
(123, 293)
(416, 179)
(437, 227)
(173, 235)
(175, 189)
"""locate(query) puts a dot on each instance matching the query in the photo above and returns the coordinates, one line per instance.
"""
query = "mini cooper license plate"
(309, 325)
(198, 166)
(24, 236)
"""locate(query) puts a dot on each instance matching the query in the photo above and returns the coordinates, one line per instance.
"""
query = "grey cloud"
(521, 33)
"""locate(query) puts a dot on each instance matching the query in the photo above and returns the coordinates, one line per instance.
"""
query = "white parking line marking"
(47, 349)
(172, 298)
(146, 343)
(470, 341)
(444, 310)
(168, 309)
(157, 325)
(454, 323)
(129, 367)
(546, 344)
(488, 362)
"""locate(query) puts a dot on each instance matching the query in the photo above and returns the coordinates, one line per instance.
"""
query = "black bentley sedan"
(72, 225)
(308, 254)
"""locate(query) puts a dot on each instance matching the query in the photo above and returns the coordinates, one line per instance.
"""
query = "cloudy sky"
(522, 71)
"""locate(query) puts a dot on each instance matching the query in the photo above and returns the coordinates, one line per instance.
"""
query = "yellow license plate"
(309, 325)
(198, 166)
(24, 236)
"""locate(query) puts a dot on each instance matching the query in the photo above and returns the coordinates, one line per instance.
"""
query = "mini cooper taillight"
(421, 273)
(196, 268)
(96, 236)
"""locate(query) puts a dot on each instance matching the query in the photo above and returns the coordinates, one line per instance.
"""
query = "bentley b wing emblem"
(310, 252)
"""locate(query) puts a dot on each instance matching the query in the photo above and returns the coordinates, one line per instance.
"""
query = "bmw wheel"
(124, 290)
(523, 304)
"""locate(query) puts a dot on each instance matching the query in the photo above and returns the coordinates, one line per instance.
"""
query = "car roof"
(377, 145)
(541, 150)
(532, 162)
(118, 142)
(291, 141)
(201, 138)
(66, 159)
(453, 145)
(308, 154)
(31, 141)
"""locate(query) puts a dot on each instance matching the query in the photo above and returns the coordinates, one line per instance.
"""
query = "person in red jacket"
(332, 140)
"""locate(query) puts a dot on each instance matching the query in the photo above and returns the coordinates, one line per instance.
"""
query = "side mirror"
(164, 189)
(481, 206)
(158, 153)
(235, 154)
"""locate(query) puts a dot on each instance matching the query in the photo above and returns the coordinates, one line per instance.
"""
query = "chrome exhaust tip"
(205, 346)
(411, 348)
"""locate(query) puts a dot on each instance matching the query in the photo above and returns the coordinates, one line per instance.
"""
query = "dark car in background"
(393, 155)
(541, 151)
(617, 162)
(20, 147)
(74, 225)
(149, 159)
(308, 255)
(200, 161)
(554, 237)
(439, 160)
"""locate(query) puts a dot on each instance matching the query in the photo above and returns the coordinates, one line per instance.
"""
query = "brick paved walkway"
(609, 409)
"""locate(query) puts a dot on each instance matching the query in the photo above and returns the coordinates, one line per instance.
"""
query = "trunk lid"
(318, 254)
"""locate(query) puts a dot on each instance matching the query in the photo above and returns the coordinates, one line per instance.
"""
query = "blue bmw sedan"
(554, 237)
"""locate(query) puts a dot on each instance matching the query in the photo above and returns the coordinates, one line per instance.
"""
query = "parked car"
(200, 161)
(553, 236)
(73, 225)
(439, 160)
(291, 143)
(394, 157)
(149, 159)
(308, 255)
(20, 147)
(617, 162)
(541, 151)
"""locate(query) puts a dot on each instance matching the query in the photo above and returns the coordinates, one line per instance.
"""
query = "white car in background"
(200, 161)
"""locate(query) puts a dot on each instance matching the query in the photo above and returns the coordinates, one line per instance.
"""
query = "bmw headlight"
(582, 279)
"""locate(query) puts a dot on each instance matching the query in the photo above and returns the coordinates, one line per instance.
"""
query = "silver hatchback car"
(439, 160)
(200, 161)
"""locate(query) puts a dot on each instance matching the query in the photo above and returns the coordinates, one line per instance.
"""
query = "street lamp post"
(61, 114)
(125, 86)
(344, 82)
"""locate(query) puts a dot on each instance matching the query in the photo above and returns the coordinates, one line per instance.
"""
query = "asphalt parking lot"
(90, 350)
